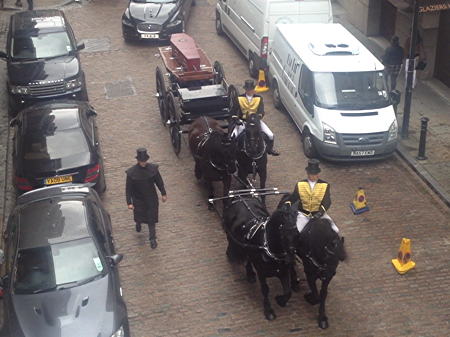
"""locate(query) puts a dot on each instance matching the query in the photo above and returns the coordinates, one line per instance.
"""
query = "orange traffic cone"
(262, 84)
(403, 262)
(359, 204)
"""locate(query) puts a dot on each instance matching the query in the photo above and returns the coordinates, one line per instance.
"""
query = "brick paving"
(186, 287)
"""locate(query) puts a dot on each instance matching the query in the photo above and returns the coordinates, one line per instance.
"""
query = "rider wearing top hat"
(250, 103)
(313, 197)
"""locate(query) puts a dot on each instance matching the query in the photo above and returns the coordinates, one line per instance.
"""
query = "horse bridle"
(322, 268)
(260, 154)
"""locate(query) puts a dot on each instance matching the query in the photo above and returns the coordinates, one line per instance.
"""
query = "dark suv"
(42, 59)
(61, 276)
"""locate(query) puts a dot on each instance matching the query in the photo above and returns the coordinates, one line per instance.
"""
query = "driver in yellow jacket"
(313, 196)
(250, 103)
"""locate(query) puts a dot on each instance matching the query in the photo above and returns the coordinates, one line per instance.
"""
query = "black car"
(56, 143)
(61, 275)
(155, 19)
(42, 59)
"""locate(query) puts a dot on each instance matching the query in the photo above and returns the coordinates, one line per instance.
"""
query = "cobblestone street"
(186, 287)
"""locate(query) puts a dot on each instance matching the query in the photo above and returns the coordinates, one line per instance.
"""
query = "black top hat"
(313, 166)
(141, 154)
(249, 85)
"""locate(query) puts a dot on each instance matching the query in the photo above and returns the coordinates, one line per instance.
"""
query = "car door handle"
(248, 24)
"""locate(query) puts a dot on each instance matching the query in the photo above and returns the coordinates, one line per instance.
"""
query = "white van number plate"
(150, 36)
(363, 153)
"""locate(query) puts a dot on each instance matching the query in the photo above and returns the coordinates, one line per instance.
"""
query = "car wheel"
(276, 96)
(308, 144)
(219, 28)
(252, 69)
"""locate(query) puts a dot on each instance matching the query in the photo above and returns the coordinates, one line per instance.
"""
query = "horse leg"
(262, 171)
(209, 186)
(268, 311)
(313, 296)
(295, 281)
(285, 279)
(197, 170)
(323, 319)
(251, 276)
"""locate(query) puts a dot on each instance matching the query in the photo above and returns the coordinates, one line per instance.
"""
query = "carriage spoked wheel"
(233, 102)
(173, 110)
(161, 93)
(219, 74)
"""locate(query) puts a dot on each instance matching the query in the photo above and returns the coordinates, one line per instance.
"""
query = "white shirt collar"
(312, 184)
(249, 98)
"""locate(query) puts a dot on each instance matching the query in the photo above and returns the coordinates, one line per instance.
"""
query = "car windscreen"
(54, 146)
(46, 45)
(57, 266)
(351, 90)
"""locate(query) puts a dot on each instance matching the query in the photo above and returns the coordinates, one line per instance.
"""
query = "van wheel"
(252, 69)
(219, 28)
(276, 96)
(308, 144)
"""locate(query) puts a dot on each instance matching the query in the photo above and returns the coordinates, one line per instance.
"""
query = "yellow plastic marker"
(359, 204)
(403, 262)
(262, 84)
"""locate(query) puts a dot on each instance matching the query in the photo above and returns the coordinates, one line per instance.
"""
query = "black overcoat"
(141, 192)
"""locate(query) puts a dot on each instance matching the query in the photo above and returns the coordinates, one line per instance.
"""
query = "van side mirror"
(115, 259)
(3, 55)
(395, 97)
(81, 46)
(92, 112)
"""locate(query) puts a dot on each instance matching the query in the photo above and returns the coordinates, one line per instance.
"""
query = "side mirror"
(92, 112)
(115, 259)
(395, 96)
(81, 46)
(14, 122)
(3, 55)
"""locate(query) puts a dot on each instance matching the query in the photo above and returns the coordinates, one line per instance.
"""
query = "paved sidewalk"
(430, 99)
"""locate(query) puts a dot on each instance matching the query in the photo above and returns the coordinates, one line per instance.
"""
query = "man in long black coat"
(141, 193)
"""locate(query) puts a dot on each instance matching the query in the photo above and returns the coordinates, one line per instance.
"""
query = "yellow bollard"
(261, 86)
(403, 262)
(359, 204)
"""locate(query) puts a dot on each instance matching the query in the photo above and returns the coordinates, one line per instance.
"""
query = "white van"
(250, 24)
(335, 91)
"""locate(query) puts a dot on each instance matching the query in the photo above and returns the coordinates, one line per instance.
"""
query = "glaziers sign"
(433, 5)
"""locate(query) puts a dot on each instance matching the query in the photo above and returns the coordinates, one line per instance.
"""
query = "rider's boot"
(270, 149)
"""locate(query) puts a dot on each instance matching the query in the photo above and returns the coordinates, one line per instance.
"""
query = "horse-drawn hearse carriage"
(196, 87)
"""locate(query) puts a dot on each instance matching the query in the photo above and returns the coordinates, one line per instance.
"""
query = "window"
(41, 46)
(306, 88)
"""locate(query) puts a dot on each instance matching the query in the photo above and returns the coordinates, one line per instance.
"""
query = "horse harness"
(204, 138)
(257, 223)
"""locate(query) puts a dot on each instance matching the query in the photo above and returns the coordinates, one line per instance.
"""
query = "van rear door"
(295, 11)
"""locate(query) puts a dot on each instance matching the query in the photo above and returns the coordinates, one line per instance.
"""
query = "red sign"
(426, 6)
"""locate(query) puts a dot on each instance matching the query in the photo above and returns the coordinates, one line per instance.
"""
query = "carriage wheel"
(161, 96)
(175, 117)
(233, 102)
(219, 74)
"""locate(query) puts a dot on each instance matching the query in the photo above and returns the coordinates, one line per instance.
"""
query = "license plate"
(363, 153)
(150, 36)
(58, 180)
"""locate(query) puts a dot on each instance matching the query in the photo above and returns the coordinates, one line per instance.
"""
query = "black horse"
(320, 249)
(214, 153)
(252, 151)
(265, 243)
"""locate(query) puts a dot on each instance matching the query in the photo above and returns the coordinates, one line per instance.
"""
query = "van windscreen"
(351, 91)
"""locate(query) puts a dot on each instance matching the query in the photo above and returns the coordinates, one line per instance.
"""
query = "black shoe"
(138, 227)
(153, 244)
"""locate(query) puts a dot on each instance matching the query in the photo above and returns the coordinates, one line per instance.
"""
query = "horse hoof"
(270, 316)
(280, 300)
(311, 299)
(323, 323)
(251, 278)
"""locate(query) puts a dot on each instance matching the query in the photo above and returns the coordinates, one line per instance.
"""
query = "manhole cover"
(119, 89)
(96, 45)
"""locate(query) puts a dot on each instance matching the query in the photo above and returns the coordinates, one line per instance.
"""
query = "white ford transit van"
(335, 91)
(250, 24)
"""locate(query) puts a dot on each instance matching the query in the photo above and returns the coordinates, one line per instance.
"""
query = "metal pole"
(423, 138)
(410, 72)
